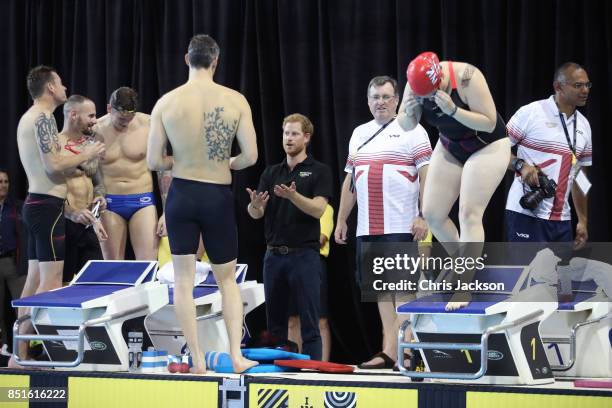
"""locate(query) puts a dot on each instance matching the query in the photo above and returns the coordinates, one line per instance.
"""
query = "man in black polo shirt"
(293, 195)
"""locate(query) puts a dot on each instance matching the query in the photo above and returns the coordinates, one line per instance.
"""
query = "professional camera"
(533, 198)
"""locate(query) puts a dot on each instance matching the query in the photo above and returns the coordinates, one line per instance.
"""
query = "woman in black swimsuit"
(474, 152)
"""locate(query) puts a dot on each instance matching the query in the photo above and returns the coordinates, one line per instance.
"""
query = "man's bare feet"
(242, 364)
(199, 367)
(12, 364)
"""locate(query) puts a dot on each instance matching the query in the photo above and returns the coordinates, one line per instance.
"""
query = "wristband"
(518, 164)
(455, 111)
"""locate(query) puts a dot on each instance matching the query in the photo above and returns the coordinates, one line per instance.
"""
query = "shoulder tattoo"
(46, 131)
(468, 72)
(218, 134)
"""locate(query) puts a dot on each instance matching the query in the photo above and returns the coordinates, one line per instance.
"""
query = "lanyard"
(569, 143)
(353, 179)
(375, 134)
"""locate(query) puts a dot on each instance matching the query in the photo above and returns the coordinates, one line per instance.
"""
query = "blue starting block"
(493, 340)
(166, 333)
(578, 336)
(84, 326)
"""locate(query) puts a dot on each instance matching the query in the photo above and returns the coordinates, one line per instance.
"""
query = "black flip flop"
(387, 362)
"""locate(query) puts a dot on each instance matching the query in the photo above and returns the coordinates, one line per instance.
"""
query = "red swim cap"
(424, 73)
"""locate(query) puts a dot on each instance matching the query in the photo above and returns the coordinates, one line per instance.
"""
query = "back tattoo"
(218, 134)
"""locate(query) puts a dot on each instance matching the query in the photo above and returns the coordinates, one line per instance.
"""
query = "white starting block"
(165, 330)
(493, 340)
(578, 336)
(84, 325)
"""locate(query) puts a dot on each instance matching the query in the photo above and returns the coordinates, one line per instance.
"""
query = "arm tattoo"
(164, 178)
(98, 182)
(219, 135)
(46, 132)
(467, 75)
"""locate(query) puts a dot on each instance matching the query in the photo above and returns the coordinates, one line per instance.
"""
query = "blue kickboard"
(265, 354)
(224, 365)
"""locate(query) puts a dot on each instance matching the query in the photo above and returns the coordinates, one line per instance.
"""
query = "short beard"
(296, 153)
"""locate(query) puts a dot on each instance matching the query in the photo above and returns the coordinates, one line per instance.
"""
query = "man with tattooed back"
(43, 212)
(200, 120)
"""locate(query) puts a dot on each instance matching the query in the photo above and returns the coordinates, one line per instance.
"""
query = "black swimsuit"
(457, 138)
(194, 208)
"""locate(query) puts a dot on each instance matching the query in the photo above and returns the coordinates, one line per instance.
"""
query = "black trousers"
(295, 276)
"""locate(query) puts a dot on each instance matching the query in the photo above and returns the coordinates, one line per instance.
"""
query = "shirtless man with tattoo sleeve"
(84, 230)
(200, 120)
(43, 212)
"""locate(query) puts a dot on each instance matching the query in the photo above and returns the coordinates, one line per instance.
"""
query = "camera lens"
(532, 199)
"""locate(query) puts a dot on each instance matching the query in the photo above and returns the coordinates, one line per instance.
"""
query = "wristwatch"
(518, 164)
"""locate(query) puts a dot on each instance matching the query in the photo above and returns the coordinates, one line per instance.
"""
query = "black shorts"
(194, 208)
(82, 245)
(43, 216)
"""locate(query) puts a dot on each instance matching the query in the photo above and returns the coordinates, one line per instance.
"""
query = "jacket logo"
(305, 173)
(522, 235)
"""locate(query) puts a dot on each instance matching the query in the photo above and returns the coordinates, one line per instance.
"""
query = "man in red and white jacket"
(553, 139)
(387, 167)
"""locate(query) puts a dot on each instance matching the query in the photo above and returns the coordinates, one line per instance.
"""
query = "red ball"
(174, 367)
(183, 368)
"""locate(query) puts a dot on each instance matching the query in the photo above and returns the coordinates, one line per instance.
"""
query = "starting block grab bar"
(483, 347)
(571, 340)
(79, 338)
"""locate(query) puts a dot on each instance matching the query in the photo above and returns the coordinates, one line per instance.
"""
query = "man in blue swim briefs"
(128, 182)
(200, 119)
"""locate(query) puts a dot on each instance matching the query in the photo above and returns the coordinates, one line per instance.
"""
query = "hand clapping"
(283, 191)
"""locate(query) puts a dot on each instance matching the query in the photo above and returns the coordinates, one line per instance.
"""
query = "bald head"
(572, 86)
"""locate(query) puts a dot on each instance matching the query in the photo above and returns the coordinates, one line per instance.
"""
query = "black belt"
(283, 249)
(8, 254)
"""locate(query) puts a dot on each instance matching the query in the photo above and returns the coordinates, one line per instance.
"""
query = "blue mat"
(578, 298)
(70, 296)
(437, 302)
(265, 354)
(222, 363)
(113, 272)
